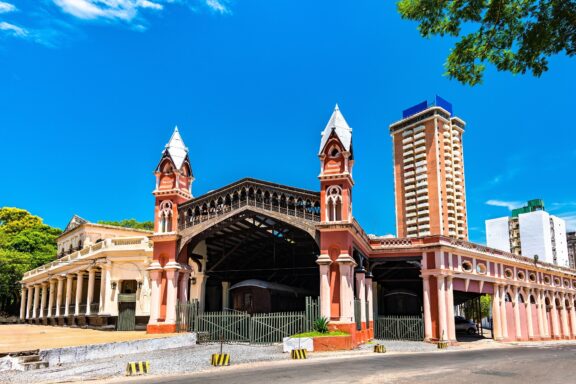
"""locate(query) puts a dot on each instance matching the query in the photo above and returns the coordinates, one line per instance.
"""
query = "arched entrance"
(250, 260)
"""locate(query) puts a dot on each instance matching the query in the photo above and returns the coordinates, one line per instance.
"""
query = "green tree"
(130, 223)
(515, 35)
(25, 243)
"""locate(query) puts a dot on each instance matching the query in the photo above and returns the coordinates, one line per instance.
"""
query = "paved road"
(524, 365)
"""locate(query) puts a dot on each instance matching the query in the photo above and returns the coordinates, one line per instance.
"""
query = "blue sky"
(90, 92)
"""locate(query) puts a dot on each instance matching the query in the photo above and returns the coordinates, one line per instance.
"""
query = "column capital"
(172, 265)
(80, 273)
(154, 266)
(44, 283)
(69, 276)
(323, 259)
(345, 259)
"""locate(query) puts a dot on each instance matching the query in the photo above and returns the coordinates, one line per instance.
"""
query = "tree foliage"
(515, 35)
(130, 223)
(25, 243)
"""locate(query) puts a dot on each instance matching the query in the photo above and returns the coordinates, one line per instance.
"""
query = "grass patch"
(318, 334)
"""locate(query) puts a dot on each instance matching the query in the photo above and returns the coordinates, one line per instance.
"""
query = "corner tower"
(173, 187)
(337, 160)
(336, 242)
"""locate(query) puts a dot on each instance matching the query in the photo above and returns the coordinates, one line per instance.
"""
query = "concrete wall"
(99, 351)
(497, 234)
(560, 240)
(535, 236)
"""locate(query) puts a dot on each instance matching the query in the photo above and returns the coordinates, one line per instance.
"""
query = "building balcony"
(420, 163)
(420, 192)
(407, 140)
(420, 142)
(407, 147)
(419, 149)
(411, 221)
(420, 156)
(411, 214)
(423, 212)
(409, 152)
(419, 135)
(447, 162)
(410, 202)
(407, 132)
(421, 169)
(410, 194)
(409, 180)
(446, 134)
(408, 159)
(419, 128)
(421, 176)
(408, 174)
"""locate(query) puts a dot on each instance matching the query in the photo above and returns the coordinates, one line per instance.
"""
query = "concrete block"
(97, 351)
(290, 343)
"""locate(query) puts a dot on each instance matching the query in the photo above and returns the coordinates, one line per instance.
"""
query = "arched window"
(165, 216)
(334, 203)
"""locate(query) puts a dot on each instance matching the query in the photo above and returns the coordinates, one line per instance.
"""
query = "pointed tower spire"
(176, 148)
(337, 125)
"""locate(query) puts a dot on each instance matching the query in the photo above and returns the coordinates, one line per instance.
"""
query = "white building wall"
(535, 235)
(498, 234)
(560, 241)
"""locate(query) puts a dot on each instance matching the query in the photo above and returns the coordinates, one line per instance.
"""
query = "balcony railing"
(224, 209)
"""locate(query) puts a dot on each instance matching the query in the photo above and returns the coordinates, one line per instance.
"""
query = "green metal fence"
(237, 326)
(399, 328)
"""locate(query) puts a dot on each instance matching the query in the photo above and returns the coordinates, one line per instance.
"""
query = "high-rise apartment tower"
(530, 231)
(429, 171)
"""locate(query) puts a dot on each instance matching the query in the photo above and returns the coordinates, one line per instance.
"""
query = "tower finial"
(336, 108)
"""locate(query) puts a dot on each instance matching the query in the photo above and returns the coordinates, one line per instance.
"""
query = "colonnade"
(353, 284)
(555, 313)
(48, 299)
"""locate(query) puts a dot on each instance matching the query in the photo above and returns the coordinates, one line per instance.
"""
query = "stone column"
(324, 262)
(450, 309)
(36, 301)
(43, 299)
(369, 297)
(442, 329)
(572, 317)
(23, 303)
(539, 306)
(517, 321)
(361, 292)
(90, 293)
(346, 264)
(225, 295)
(503, 312)
(529, 315)
(59, 295)
(555, 322)
(496, 324)
(184, 284)
(155, 272)
(105, 289)
(171, 291)
(69, 280)
(51, 298)
(79, 288)
(565, 327)
(427, 311)
(198, 289)
(29, 302)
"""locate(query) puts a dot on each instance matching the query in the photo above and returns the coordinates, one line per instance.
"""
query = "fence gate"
(236, 326)
(399, 328)
(126, 312)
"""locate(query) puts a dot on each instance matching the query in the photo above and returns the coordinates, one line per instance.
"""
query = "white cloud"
(13, 30)
(570, 219)
(6, 7)
(95, 9)
(218, 6)
(508, 204)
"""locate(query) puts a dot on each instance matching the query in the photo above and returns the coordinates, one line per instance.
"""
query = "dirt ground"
(24, 337)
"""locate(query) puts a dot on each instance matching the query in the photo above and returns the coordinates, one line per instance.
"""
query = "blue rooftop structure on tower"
(438, 101)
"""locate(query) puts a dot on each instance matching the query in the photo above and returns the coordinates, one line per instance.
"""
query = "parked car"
(463, 325)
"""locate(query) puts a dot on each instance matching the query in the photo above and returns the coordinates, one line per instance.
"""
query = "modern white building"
(530, 232)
